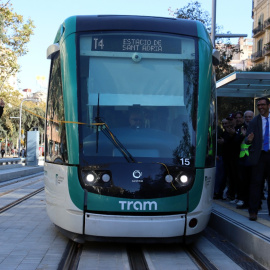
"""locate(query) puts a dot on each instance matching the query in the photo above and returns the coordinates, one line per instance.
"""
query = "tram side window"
(56, 144)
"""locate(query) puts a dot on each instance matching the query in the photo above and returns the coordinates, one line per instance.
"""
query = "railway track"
(131, 258)
(14, 203)
(157, 257)
(16, 191)
(19, 180)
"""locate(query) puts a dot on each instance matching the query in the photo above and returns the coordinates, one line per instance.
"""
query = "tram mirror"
(215, 57)
(52, 49)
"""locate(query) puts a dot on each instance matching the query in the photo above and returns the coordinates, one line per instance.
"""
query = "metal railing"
(267, 23)
(258, 30)
(266, 50)
(256, 56)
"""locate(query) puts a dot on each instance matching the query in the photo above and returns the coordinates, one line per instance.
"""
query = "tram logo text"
(137, 205)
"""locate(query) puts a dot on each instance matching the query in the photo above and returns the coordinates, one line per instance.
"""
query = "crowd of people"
(243, 159)
(12, 152)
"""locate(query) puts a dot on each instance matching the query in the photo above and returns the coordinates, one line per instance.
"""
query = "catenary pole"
(213, 29)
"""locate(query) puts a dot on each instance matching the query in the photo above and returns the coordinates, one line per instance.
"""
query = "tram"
(130, 129)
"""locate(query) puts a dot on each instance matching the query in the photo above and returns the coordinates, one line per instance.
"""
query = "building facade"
(261, 32)
(242, 61)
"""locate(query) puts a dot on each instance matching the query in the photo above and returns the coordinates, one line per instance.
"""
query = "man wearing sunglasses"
(259, 155)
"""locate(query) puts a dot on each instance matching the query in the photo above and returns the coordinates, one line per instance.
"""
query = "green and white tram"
(130, 129)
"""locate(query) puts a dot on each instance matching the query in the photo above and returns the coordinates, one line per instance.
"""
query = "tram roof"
(84, 23)
(244, 84)
(139, 23)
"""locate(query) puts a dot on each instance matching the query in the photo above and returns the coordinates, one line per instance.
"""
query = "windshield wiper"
(108, 133)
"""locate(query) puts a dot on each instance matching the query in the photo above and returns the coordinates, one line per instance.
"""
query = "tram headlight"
(183, 179)
(96, 177)
(91, 177)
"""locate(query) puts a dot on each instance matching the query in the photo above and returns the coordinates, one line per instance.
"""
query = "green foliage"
(227, 105)
(34, 119)
(11, 97)
(260, 68)
(32, 116)
(15, 34)
(3, 132)
(227, 51)
(194, 11)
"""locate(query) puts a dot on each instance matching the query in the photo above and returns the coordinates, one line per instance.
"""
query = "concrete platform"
(13, 171)
(252, 237)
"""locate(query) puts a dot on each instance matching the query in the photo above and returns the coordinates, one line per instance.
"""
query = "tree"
(225, 105)
(32, 116)
(227, 51)
(194, 11)
(15, 34)
(260, 68)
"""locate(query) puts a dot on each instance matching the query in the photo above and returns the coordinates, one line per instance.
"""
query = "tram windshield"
(137, 98)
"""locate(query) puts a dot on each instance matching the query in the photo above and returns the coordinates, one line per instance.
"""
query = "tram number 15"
(185, 161)
(98, 44)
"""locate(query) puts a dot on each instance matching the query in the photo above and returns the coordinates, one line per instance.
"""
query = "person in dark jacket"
(2, 105)
(3, 152)
(231, 150)
(244, 168)
(221, 176)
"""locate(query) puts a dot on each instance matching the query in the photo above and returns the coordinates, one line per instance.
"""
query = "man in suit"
(259, 155)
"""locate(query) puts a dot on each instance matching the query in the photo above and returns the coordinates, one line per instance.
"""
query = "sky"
(232, 15)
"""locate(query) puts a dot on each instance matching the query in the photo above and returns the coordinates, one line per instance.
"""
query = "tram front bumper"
(134, 226)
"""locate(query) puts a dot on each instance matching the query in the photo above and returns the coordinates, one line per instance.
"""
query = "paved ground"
(28, 240)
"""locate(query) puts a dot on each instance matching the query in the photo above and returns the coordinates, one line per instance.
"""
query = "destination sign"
(136, 43)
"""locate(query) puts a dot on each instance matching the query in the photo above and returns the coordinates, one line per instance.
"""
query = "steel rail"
(10, 205)
(199, 258)
(136, 258)
(14, 181)
(71, 256)
(26, 185)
